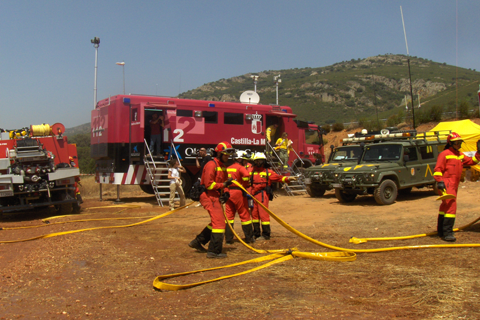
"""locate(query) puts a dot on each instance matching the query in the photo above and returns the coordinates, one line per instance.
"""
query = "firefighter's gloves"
(227, 183)
(224, 197)
(478, 145)
(292, 178)
(441, 186)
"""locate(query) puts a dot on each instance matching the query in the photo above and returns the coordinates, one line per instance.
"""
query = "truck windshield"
(312, 137)
(346, 153)
(384, 152)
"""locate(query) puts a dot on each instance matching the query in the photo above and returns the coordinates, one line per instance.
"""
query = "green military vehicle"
(319, 179)
(395, 165)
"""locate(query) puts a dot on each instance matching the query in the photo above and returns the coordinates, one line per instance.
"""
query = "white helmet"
(259, 156)
(239, 154)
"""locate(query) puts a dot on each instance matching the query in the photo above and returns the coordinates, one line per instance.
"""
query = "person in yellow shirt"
(281, 146)
(271, 132)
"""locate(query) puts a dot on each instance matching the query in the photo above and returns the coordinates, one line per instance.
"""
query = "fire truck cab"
(120, 133)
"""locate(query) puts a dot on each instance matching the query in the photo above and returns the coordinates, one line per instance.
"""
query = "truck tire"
(386, 193)
(186, 183)
(344, 197)
(315, 192)
(75, 207)
(63, 209)
(147, 188)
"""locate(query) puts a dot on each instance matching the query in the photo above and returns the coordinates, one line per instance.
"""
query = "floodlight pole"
(255, 78)
(96, 44)
(277, 80)
(409, 74)
(123, 67)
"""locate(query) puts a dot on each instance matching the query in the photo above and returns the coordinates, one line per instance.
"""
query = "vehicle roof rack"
(403, 135)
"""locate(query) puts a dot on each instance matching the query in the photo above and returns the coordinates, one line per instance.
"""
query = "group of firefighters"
(217, 179)
(252, 173)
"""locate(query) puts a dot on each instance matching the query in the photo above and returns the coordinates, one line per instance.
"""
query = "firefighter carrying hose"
(215, 180)
(238, 200)
(261, 181)
(447, 173)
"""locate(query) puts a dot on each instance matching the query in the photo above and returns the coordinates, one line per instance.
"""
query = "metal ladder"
(295, 187)
(157, 170)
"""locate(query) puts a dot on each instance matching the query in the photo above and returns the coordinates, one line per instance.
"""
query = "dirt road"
(108, 274)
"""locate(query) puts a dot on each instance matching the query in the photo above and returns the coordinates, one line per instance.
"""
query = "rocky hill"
(355, 89)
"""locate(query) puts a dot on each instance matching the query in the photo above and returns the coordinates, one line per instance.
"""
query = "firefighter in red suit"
(215, 180)
(238, 200)
(447, 173)
(261, 181)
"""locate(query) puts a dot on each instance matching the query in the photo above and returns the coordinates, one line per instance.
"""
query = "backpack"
(197, 190)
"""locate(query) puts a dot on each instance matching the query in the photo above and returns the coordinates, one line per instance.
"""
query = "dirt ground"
(108, 274)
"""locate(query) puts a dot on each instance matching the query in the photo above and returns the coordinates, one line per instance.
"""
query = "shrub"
(326, 128)
(337, 127)
(436, 113)
(463, 112)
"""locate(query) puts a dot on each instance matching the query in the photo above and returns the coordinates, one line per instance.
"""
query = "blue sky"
(47, 61)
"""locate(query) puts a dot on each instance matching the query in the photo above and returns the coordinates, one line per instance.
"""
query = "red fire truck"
(37, 169)
(120, 129)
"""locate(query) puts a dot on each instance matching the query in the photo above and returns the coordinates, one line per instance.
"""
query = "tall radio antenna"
(409, 74)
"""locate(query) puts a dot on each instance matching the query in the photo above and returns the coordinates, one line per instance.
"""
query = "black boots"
(215, 246)
(202, 239)
(248, 232)
(448, 229)
(266, 231)
(256, 229)
(440, 225)
(229, 234)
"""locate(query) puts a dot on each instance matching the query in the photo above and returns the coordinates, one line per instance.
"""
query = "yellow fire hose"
(363, 240)
(284, 255)
(55, 234)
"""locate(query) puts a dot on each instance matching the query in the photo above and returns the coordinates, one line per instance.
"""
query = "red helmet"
(454, 137)
(225, 148)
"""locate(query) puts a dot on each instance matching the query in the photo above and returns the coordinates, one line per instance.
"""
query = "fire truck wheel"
(186, 183)
(147, 188)
(315, 192)
(63, 209)
(386, 193)
(344, 197)
(75, 207)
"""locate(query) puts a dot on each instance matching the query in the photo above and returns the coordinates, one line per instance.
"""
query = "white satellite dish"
(250, 97)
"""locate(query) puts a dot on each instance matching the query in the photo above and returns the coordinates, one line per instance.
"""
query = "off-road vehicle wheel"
(344, 197)
(315, 192)
(386, 193)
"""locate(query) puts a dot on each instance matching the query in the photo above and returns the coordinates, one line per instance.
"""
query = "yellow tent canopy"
(468, 130)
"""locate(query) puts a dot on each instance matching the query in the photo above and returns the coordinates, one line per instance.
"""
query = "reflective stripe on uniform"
(460, 157)
(441, 213)
(263, 174)
(449, 215)
(246, 222)
(438, 173)
(265, 222)
(220, 169)
(210, 187)
(218, 230)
